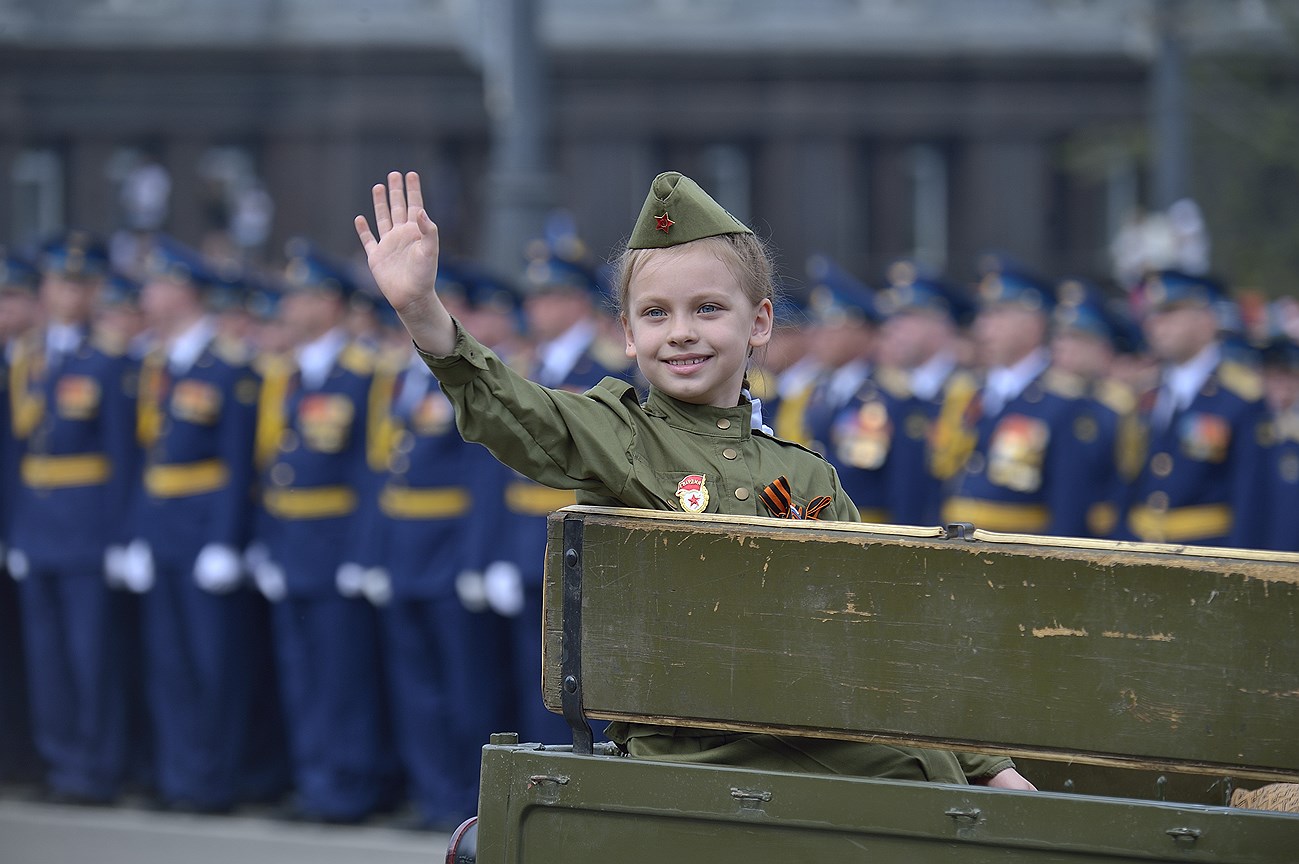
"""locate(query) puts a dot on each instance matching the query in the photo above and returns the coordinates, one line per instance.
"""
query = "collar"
(186, 348)
(1008, 382)
(702, 419)
(63, 338)
(847, 380)
(1186, 380)
(928, 378)
(560, 355)
(316, 359)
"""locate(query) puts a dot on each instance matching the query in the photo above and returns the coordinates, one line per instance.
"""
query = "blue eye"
(654, 313)
(708, 308)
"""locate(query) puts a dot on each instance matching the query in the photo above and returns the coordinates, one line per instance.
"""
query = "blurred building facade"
(865, 129)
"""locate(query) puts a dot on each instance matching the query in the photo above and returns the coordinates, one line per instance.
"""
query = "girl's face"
(690, 327)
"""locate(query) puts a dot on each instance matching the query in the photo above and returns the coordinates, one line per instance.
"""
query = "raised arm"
(404, 261)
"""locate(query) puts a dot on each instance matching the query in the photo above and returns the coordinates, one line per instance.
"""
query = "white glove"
(270, 580)
(471, 591)
(17, 564)
(503, 585)
(350, 579)
(114, 565)
(217, 569)
(376, 584)
(255, 556)
(137, 567)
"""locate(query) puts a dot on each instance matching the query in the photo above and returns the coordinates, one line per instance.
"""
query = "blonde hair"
(745, 255)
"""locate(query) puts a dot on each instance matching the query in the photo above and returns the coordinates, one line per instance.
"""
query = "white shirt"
(1183, 382)
(60, 341)
(560, 355)
(846, 381)
(1005, 383)
(186, 348)
(928, 378)
(316, 359)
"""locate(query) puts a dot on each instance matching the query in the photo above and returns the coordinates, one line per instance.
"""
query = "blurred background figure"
(1016, 436)
(918, 339)
(317, 443)
(19, 280)
(1088, 332)
(73, 416)
(1203, 478)
(843, 322)
(197, 414)
(1280, 360)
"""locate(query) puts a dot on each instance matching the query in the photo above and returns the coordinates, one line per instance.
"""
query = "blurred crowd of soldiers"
(252, 560)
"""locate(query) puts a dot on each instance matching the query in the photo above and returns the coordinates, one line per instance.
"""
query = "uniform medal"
(693, 494)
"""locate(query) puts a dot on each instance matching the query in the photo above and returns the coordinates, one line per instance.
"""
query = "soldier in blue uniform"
(197, 412)
(560, 304)
(73, 414)
(1088, 333)
(844, 324)
(424, 532)
(1280, 358)
(917, 363)
(315, 436)
(1015, 436)
(1204, 475)
(18, 761)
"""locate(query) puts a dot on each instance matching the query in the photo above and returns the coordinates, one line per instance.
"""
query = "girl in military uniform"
(695, 291)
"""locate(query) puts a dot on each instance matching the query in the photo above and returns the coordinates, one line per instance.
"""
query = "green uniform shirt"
(616, 451)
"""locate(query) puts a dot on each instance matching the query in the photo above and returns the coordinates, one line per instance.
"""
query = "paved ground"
(36, 833)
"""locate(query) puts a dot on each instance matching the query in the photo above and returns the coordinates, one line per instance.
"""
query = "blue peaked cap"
(1081, 305)
(836, 295)
(75, 254)
(18, 272)
(911, 289)
(310, 270)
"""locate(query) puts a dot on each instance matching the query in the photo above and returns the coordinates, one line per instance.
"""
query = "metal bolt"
(570, 684)
(570, 557)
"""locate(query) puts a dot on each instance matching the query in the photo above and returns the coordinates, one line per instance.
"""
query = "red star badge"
(663, 223)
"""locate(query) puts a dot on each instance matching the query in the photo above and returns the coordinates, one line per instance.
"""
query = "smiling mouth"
(687, 362)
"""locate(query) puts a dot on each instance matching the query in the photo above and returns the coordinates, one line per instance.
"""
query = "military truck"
(1138, 685)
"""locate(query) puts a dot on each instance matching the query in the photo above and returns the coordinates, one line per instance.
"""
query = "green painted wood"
(1122, 655)
(547, 806)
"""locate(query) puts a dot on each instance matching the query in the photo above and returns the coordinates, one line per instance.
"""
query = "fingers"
(382, 218)
(414, 195)
(396, 198)
(363, 232)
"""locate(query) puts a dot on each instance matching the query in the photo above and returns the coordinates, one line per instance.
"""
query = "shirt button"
(723, 423)
(281, 474)
(974, 464)
(1161, 464)
(729, 453)
(1158, 501)
(742, 494)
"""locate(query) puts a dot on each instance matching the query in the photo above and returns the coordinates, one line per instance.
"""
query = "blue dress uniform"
(313, 437)
(1203, 479)
(446, 700)
(197, 411)
(1281, 357)
(74, 414)
(1107, 427)
(18, 760)
(835, 298)
(521, 530)
(1018, 467)
(913, 495)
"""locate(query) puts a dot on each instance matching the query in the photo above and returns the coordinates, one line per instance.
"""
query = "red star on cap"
(663, 223)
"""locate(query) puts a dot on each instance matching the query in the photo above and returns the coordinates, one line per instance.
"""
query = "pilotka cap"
(677, 211)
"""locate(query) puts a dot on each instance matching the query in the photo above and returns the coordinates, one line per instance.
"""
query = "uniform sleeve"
(559, 439)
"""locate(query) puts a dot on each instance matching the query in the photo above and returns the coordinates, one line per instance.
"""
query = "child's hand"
(404, 261)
